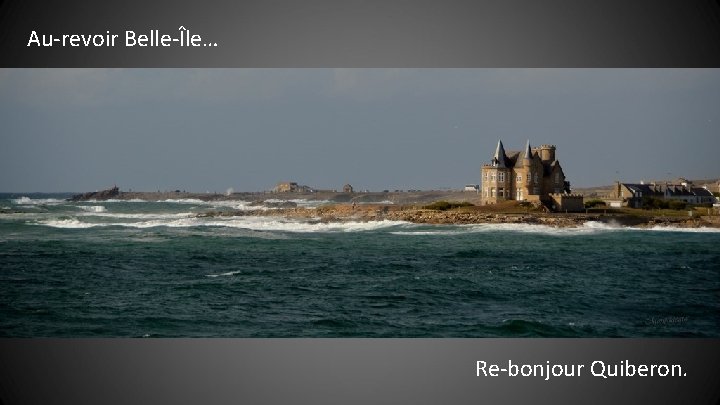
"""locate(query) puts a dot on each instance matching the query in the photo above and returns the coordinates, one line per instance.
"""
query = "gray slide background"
(375, 33)
(340, 33)
(344, 371)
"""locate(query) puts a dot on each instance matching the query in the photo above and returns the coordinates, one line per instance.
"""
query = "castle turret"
(547, 153)
(499, 158)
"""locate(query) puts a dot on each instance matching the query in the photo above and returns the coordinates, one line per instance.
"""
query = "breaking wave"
(115, 200)
(184, 201)
(138, 216)
(251, 223)
(278, 224)
(301, 202)
(92, 208)
(675, 229)
(67, 223)
(37, 201)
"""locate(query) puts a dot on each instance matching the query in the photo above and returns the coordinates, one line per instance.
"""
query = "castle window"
(501, 177)
(536, 179)
(486, 175)
(557, 178)
(492, 177)
(519, 195)
(492, 192)
(519, 178)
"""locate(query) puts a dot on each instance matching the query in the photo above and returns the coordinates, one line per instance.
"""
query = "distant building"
(533, 174)
(286, 187)
(347, 188)
(472, 187)
(632, 194)
(291, 187)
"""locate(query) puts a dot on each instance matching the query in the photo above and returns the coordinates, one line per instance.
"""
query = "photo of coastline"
(359, 203)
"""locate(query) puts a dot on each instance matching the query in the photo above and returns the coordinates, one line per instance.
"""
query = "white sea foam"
(234, 204)
(384, 202)
(674, 229)
(586, 228)
(67, 223)
(184, 201)
(262, 224)
(92, 208)
(229, 273)
(300, 202)
(426, 233)
(310, 203)
(250, 223)
(115, 200)
(120, 215)
(278, 224)
(37, 201)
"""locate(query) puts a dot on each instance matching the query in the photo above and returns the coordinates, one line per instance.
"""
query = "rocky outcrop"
(346, 212)
(97, 195)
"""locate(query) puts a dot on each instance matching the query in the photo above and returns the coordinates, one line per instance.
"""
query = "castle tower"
(530, 174)
(547, 153)
(496, 177)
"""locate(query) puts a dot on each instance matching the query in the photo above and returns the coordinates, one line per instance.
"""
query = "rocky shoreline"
(399, 206)
(365, 213)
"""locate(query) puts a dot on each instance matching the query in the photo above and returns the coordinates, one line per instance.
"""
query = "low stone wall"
(567, 202)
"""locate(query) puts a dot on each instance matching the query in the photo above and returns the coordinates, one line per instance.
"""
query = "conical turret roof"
(499, 158)
(528, 151)
(528, 154)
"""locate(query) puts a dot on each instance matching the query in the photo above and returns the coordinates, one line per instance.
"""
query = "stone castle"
(533, 174)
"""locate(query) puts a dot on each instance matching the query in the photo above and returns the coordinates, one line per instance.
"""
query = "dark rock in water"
(97, 195)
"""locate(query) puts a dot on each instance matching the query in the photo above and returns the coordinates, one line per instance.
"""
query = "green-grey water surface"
(118, 268)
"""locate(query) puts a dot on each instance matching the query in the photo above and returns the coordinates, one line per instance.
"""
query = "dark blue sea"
(154, 269)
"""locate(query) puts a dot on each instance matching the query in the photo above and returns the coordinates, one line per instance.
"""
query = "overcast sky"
(211, 129)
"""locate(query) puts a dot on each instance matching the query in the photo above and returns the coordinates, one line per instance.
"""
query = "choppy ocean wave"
(251, 223)
(300, 202)
(37, 201)
(588, 228)
(400, 228)
(121, 215)
(92, 208)
(690, 230)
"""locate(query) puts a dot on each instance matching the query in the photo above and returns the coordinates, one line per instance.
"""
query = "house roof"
(672, 189)
(701, 192)
(645, 189)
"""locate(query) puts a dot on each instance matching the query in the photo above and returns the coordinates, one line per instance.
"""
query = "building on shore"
(634, 195)
(347, 188)
(533, 174)
(291, 187)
